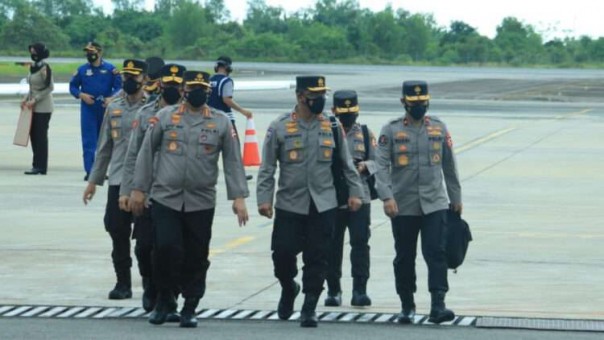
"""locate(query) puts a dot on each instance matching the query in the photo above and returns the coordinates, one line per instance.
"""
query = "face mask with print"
(316, 105)
(92, 57)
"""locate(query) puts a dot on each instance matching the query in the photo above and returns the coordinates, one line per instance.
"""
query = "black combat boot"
(438, 312)
(289, 291)
(166, 303)
(308, 316)
(359, 293)
(149, 294)
(188, 318)
(408, 313)
(334, 294)
(123, 287)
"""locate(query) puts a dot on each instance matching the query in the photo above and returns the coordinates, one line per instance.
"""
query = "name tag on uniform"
(103, 71)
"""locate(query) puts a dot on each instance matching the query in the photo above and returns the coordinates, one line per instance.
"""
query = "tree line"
(331, 31)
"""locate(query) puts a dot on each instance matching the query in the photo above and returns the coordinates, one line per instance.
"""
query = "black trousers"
(357, 223)
(433, 228)
(143, 234)
(310, 234)
(181, 250)
(118, 224)
(39, 139)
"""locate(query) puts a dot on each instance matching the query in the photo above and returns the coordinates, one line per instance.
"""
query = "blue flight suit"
(100, 82)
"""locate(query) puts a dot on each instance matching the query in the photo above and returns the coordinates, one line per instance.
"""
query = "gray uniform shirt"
(41, 93)
(304, 151)
(113, 140)
(414, 165)
(139, 126)
(187, 146)
(356, 146)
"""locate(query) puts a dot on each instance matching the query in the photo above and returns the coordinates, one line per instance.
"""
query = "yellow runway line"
(482, 140)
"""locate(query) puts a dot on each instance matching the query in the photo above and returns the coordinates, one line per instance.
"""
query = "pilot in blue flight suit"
(94, 83)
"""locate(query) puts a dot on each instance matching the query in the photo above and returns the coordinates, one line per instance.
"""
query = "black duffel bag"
(458, 239)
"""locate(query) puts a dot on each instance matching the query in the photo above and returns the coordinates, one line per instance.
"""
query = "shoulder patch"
(383, 140)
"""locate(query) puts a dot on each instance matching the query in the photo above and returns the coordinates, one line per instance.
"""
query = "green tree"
(519, 43)
(28, 25)
(262, 18)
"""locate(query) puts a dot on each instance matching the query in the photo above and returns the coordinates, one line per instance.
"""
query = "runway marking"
(574, 113)
(238, 242)
(105, 313)
(482, 140)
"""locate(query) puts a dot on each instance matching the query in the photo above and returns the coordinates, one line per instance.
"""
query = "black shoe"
(149, 295)
(188, 318)
(173, 317)
(406, 316)
(333, 299)
(249, 177)
(308, 316)
(35, 171)
(308, 319)
(439, 312)
(120, 292)
(285, 309)
(360, 299)
(86, 177)
(166, 304)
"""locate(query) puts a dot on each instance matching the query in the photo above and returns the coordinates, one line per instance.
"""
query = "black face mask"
(35, 58)
(348, 119)
(171, 95)
(316, 105)
(417, 111)
(92, 57)
(131, 86)
(197, 97)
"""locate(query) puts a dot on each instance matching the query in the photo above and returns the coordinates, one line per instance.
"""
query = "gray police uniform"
(357, 222)
(143, 229)
(306, 198)
(182, 186)
(417, 168)
(111, 151)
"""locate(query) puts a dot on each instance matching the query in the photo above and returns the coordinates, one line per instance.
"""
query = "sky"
(552, 19)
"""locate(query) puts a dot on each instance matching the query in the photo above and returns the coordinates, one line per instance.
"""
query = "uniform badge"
(327, 142)
(383, 140)
(360, 147)
(297, 143)
(402, 148)
(176, 119)
(436, 146)
(292, 130)
(293, 155)
(203, 138)
(117, 112)
(115, 133)
(153, 120)
(211, 125)
(88, 72)
(327, 153)
(291, 125)
(172, 146)
(401, 134)
(359, 135)
(269, 133)
(114, 123)
(103, 71)
(173, 134)
(403, 160)
(436, 158)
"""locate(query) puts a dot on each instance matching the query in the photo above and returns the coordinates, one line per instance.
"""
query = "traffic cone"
(251, 153)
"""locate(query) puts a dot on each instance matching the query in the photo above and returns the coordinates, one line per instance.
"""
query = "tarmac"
(529, 149)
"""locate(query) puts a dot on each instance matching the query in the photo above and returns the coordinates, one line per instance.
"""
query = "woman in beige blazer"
(40, 101)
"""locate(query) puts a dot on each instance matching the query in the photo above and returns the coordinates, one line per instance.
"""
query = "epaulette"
(284, 116)
(396, 120)
(434, 119)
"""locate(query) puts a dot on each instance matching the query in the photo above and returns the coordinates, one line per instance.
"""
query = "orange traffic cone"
(251, 153)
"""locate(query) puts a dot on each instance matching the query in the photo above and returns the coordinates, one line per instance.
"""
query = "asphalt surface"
(529, 147)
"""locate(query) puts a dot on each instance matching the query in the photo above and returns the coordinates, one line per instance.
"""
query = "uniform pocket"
(293, 150)
(208, 144)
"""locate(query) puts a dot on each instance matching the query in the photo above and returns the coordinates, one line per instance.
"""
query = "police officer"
(361, 144)
(170, 79)
(113, 143)
(94, 83)
(185, 143)
(418, 181)
(151, 88)
(303, 143)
